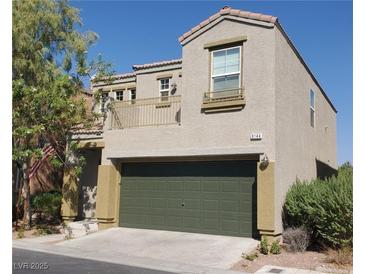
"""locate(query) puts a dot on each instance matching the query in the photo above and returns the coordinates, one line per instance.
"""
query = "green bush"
(324, 207)
(250, 257)
(47, 203)
(275, 248)
(264, 246)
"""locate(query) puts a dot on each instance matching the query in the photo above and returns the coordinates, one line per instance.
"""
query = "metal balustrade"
(165, 110)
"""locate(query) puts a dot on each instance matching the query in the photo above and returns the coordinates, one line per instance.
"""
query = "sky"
(141, 32)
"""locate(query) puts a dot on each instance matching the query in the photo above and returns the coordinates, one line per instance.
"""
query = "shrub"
(47, 203)
(341, 256)
(251, 257)
(275, 248)
(43, 229)
(324, 207)
(264, 246)
(296, 239)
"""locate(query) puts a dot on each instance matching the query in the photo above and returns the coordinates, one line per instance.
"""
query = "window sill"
(223, 106)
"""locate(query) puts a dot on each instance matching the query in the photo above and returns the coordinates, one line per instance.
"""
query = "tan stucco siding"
(210, 132)
(297, 143)
(148, 84)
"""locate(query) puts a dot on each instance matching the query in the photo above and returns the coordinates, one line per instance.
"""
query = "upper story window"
(226, 69)
(132, 94)
(119, 95)
(164, 88)
(103, 98)
(312, 108)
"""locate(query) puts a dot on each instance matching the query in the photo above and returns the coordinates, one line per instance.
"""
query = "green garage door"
(217, 197)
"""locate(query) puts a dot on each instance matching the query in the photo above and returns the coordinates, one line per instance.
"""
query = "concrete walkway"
(174, 252)
(180, 247)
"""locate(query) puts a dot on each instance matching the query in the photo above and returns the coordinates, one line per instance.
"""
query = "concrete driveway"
(177, 247)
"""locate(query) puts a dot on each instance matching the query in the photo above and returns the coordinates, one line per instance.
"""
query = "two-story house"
(208, 143)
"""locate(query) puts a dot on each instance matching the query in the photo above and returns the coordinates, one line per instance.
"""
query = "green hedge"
(47, 203)
(324, 207)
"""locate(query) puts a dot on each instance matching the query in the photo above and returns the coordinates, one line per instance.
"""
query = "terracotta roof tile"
(235, 12)
(157, 64)
(204, 23)
(124, 75)
(229, 11)
(214, 16)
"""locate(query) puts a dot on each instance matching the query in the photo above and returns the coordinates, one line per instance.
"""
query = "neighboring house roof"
(233, 12)
(157, 64)
(124, 75)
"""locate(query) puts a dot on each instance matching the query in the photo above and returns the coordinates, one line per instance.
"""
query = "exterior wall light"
(264, 162)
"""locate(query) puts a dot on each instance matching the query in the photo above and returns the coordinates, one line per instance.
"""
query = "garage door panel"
(158, 203)
(192, 222)
(228, 186)
(156, 219)
(192, 203)
(175, 185)
(210, 205)
(174, 221)
(202, 197)
(210, 186)
(174, 203)
(134, 218)
(230, 205)
(151, 194)
(232, 226)
(192, 186)
(210, 223)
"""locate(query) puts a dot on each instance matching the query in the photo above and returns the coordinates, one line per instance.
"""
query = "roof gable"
(232, 12)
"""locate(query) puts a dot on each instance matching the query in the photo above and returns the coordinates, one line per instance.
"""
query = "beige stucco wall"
(297, 143)
(148, 85)
(205, 134)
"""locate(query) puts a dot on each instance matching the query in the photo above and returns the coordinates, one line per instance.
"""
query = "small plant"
(251, 257)
(20, 233)
(44, 229)
(296, 239)
(264, 246)
(275, 248)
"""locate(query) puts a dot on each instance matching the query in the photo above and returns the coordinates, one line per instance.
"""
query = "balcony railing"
(157, 111)
(232, 99)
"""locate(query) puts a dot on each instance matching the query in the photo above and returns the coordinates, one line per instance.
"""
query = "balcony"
(225, 100)
(157, 111)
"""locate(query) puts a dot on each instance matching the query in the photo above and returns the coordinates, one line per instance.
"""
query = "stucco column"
(107, 197)
(266, 200)
(70, 196)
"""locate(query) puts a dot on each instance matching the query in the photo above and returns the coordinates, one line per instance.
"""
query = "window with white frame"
(226, 69)
(164, 88)
(119, 95)
(312, 108)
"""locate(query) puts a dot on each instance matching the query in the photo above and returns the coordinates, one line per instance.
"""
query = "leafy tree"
(49, 63)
